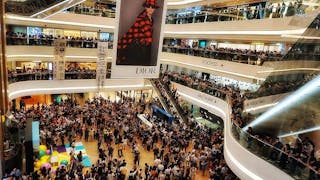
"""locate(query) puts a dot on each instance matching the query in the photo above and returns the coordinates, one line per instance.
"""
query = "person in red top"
(134, 47)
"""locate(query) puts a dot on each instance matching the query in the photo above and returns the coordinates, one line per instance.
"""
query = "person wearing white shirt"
(160, 167)
(157, 162)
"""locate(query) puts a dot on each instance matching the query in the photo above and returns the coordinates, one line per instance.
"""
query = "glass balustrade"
(236, 55)
(282, 160)
(209, 89)
(17, 77)
(203, 14)
(92, 11)
(29, 7)
(49, 41)
(261, 10)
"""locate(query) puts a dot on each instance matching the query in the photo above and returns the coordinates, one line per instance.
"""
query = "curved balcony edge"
(242, 162)
(27, 88)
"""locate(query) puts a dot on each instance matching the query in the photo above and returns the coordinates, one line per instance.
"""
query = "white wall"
(238, 71)
(262, 104)
(26, 88)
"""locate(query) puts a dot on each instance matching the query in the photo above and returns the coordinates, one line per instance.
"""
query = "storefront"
(32, 32)
(201, 116)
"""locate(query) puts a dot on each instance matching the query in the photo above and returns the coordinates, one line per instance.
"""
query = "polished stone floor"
(146, 156)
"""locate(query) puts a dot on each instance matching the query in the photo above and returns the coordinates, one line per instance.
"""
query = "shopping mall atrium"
(160, 89)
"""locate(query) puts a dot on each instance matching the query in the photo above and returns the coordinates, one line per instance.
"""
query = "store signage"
(210, 62)
(216, 105)
(138, 38)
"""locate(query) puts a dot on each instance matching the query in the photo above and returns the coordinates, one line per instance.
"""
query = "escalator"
(38, 8)
(169, 105)
(171, 95)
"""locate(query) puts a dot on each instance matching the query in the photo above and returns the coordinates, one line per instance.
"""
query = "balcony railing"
(279, 158)
(294, 8)
(285, 161)
(241, 56)
(49, 41)
(48, 75)
(91, 11)
(209, 89)
(29, 7)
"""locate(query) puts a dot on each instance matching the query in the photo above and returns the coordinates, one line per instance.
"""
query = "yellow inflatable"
(55, 153)
(45, 158)
(38, 164)
(63, 157)
(42, 148)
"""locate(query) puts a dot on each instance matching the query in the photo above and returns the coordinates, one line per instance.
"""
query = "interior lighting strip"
(261, 107)
(283, 32)
(300, 37)
(51, 56)
(30, 55)
(176, 3)
(293, 69)
(75, 88)
(57, 22)
(50, 89)
(212, 69)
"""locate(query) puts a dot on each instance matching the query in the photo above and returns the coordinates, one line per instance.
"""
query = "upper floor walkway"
(285, 29)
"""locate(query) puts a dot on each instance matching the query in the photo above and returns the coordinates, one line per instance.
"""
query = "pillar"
(4, 104)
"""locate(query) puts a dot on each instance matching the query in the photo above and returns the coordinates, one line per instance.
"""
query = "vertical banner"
(59, 59)
(138, 38)
(101, 71)
(35, 134)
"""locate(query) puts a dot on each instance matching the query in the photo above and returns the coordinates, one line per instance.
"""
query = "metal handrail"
(275, 148)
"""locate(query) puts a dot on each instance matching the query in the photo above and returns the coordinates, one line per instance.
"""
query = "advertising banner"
(138, 38)
(59, 59)
(101, 70)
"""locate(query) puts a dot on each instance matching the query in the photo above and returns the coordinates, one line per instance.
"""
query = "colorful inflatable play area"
(54, 159)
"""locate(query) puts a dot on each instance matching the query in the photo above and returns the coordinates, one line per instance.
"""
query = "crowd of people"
(272, 87)
(239, 55)
(28, 74)
(27, 8)
(115, 126)
(167, 102)
(242, 12)
(98, 9)
(294, 159)
(20, 38)
(180, 150)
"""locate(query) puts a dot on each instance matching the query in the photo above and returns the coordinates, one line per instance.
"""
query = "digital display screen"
(202, 43)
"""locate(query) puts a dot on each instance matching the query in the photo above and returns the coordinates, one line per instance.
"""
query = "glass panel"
(281, 158)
